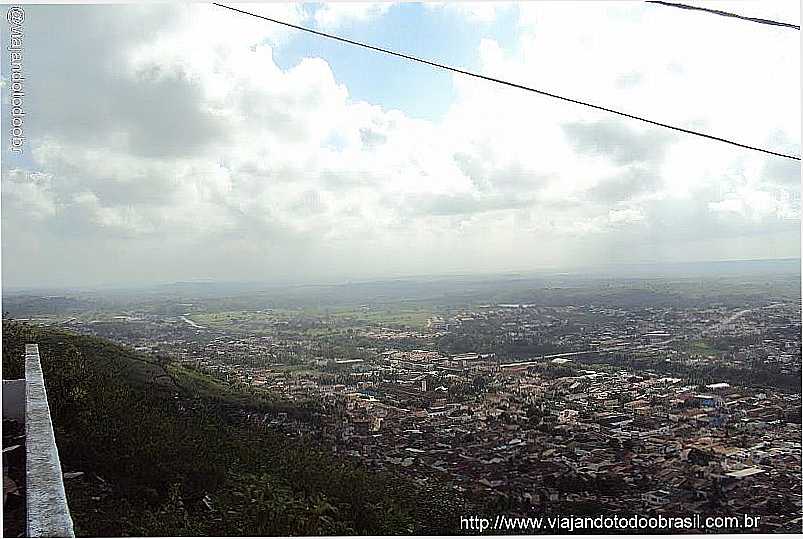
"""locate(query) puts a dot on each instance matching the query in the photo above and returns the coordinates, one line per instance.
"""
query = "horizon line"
(339, 281)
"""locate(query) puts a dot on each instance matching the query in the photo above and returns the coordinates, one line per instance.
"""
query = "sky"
(187, 142)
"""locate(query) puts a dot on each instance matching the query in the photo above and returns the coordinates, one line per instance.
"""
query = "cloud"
(631, 182)
(757, 205)
(617, 142)
(30, 193)
(474, 11)
(463, 204)
(784, 172)
(626, 215)
(176, 146)
(371, 138)
(333, 15)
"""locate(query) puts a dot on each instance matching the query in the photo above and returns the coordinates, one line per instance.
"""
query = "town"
(574, 408)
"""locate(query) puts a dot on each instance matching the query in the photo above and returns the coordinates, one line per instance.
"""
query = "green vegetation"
(168, 451)
(410, 318)
(701, 347)
(756, 376)
(316, 321)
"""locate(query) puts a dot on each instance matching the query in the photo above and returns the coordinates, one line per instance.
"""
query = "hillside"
(165, 452)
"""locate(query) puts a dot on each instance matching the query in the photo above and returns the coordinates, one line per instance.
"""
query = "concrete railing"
(47, 511)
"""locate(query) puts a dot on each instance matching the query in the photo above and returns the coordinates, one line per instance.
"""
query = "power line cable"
(506, 83)
(725, 14)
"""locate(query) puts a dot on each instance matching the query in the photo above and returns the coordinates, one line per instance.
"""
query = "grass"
(702, 347)
(344, 319)
(166, 451)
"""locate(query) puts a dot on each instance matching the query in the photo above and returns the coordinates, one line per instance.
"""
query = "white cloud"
(758, 205)
(475, 11)
(31, 191)
(187, 147)
(626, 215)
(333, 15)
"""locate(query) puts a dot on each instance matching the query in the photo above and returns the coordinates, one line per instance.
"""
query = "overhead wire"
(725, 14)
(507, 83)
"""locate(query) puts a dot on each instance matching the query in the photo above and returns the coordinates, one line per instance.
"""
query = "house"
(656, 497)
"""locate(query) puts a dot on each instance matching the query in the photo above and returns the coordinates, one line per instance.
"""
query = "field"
(315, 321)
